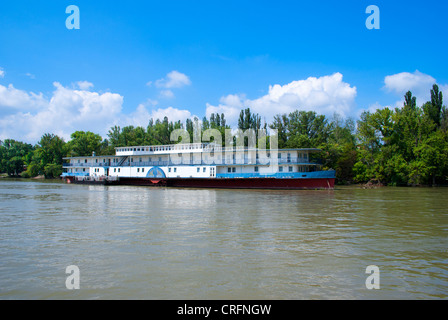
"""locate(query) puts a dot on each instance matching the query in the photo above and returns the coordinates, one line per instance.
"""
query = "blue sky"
(132, 60)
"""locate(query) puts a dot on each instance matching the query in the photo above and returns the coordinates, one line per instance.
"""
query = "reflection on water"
(145, 243)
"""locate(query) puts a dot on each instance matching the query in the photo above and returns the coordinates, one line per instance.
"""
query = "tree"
(84, 144)
(48, 153)
(444, 120)
(433, 108)
(248, 120)
(13, 156)
(205, 124)
(410, 102)
(115, 137)
(52, 149)
(279, 125)
(432, 155)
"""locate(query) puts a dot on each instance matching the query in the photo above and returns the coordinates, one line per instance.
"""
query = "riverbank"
(40, 177)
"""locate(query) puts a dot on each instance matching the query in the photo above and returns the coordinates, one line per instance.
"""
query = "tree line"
(401, 146)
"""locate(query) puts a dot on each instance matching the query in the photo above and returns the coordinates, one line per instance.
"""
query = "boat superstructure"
(201, 165)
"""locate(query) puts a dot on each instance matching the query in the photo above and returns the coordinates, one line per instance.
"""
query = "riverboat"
(201, 165)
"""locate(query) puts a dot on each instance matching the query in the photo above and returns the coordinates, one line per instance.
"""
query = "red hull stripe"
(254, 183)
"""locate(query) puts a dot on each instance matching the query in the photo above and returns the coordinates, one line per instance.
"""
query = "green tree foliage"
(84, 144)
(48, 153)
(301, 129)
(248, 120)
(433, 108)
(405, 146)
(13, 156)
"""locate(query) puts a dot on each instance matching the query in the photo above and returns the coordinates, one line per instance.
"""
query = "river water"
(148, 243)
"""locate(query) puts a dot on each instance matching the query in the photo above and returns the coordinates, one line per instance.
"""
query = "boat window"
(204, 169)
(290, 169)
(198, 169)
(280, 169)
(233, 169)
(256, 169)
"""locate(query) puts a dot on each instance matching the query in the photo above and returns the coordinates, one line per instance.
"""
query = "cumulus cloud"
(168, 94)
(26, 116)
(174, 79)
(404, 81)
(66, 111)
(12, 99)
(140, 117)
(324, 95)
(418, 83)
(84, 85)
(230, 105)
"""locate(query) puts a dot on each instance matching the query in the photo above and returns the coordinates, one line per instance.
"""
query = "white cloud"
(26, 116)
(66, 111)
(173, 114)
(12, 99)
(325, 95)
(84, 85)
(141, 116)
(402, 82)
(230, 105)
(2, 73)
(30, 75)
(168, 94)
(418, 83)
(174, 79)
(378, 106)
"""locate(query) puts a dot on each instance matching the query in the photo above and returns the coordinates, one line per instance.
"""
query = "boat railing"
(96, 178)
(211, 161)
